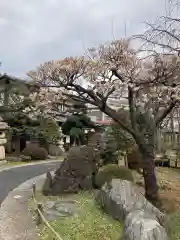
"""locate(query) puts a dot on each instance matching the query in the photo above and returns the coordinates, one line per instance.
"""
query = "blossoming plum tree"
(116, 70)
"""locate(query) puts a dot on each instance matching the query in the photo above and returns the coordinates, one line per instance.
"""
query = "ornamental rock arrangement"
(75, 173)
(78, 169)
(142, 221)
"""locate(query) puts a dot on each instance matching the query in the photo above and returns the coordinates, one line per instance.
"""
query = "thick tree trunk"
(22, 143)
(150, 181)
(17, 146)
(143, 131)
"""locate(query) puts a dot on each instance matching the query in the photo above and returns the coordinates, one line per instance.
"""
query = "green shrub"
(109, 152)
(110, 171)
(35, 152)
(109, 157)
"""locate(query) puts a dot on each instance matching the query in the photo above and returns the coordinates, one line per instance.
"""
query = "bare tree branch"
(117, 118)
(132, 108)
(165, 112)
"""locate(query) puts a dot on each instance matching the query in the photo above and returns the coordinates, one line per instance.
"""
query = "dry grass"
(169, 191)
(169, 187)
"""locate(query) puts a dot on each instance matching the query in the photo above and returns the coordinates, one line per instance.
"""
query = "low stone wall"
(142, 221)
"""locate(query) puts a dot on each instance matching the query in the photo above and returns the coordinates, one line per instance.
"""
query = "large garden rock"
(76, 171)
(124, 202)
(120, 197)
(141, 225)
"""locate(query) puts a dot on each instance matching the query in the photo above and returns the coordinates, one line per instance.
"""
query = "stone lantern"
(3, 140)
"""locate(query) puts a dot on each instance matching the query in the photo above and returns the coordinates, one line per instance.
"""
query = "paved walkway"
(11, 178)
(15, 220)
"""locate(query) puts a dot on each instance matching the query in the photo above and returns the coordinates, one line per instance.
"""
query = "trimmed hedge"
(35, 152)
(110, 171)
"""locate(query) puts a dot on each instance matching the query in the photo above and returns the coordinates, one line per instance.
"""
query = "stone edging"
(15, 222)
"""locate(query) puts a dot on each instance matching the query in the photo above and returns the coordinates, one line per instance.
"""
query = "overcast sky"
(35, 31)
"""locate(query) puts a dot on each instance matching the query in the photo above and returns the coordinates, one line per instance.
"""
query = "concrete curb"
(3, 162)
(28, 164)
(15, 222)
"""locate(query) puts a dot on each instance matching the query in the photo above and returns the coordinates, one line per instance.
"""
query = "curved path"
(11, 178)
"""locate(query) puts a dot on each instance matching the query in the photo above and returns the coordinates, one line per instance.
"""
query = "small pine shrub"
(35, 152)
(110, 171)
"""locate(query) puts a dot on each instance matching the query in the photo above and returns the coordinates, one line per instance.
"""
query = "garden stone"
(76, 171)
(124, 202)
(141, 225)
(64, 184)
(86, 183)
(120, 197)
(60, 208)
(46, 189)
